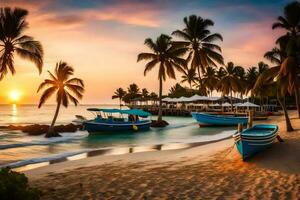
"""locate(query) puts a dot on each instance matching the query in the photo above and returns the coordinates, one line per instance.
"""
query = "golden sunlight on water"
(14, 113)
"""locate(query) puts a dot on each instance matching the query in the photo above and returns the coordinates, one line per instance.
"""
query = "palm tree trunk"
(159, 118)
(287, 119)
(51, 132)
(231, 100)
(200, 82)
(120, 103)
(297, 99)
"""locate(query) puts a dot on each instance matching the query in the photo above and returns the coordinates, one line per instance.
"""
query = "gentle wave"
(211, 138)
(46, 141)
(42, 159)
(68, 137)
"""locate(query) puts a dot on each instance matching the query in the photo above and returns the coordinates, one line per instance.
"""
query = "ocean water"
(18, 149)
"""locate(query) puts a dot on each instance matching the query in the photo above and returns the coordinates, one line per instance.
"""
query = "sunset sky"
(101, 39)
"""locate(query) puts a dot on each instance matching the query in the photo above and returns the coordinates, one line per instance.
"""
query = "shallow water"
(16, 146)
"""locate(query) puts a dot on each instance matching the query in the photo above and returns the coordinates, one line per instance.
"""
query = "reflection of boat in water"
(127, 120)
(255, 139)
(205, 119)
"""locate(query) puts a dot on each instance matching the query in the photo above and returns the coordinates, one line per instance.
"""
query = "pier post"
(240, 128)
(250, 118)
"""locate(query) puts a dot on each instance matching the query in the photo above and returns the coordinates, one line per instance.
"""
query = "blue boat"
(255, 139)
(205, 119)
(117, 120)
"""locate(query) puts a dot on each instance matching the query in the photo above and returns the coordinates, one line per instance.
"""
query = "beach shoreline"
(209, 171)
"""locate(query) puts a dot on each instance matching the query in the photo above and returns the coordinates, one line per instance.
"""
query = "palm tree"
(272, 76)
(251, 77)
(189, 77)
(12, 41)
(230, 82)
(220, 73)
(291, 19)
(210, 79)
(167, 57)
(241, 75)
(268, 79)
(199, 43)
(262, 67)
(119, 93)
(66, 88)
(291, 23)
(145, 93)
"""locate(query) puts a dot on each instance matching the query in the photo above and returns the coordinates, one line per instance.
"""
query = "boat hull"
(250, 144)
(99, 127)
(204, 119)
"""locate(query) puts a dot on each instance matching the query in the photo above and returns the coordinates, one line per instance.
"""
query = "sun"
(14, 95)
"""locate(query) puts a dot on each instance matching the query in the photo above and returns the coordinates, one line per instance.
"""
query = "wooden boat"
(106, 121)
(255, 139)
(205, 119)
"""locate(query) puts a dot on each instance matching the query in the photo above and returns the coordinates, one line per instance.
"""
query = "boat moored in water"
(255, 139)
(205, 119)
(130, 120)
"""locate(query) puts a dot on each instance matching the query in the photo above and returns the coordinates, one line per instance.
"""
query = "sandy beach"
(213, 171)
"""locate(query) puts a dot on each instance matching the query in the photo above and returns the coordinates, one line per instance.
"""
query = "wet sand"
(213, 171)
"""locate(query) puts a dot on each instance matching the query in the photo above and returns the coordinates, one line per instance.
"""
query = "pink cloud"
(248, 42)
(126, 12)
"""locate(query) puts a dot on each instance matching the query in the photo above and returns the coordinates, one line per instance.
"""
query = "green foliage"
(178, 91)
(14, 186)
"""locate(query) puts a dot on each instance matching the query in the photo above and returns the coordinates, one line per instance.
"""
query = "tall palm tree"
(241, 75)
(210, 79)
(167, 57)
(230, 82)
(119, 93)
(189, 76)
(251, 77)
(200, 43)
(272, 76)
(290, 22)
(66, 89)
(12, 41)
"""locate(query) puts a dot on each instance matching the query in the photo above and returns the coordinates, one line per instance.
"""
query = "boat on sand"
(255, 139)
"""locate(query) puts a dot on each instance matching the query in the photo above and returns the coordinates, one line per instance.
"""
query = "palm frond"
(46, 95)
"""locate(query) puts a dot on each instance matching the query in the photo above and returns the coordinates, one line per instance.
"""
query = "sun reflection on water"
(14, 113)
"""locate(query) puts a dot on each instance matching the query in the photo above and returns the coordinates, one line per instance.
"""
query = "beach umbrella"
(215, 105)
(248, 104)
(183, 99)
(237, 104)
(226, 104)
(167, 99)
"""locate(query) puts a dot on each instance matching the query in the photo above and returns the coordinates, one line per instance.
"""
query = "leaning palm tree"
(189, 76)
(273, 76)
(12, 41)
(230, 82)
(66, 89)
(119, 93)
(167, 57)
(290, 22)
(199, 43)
